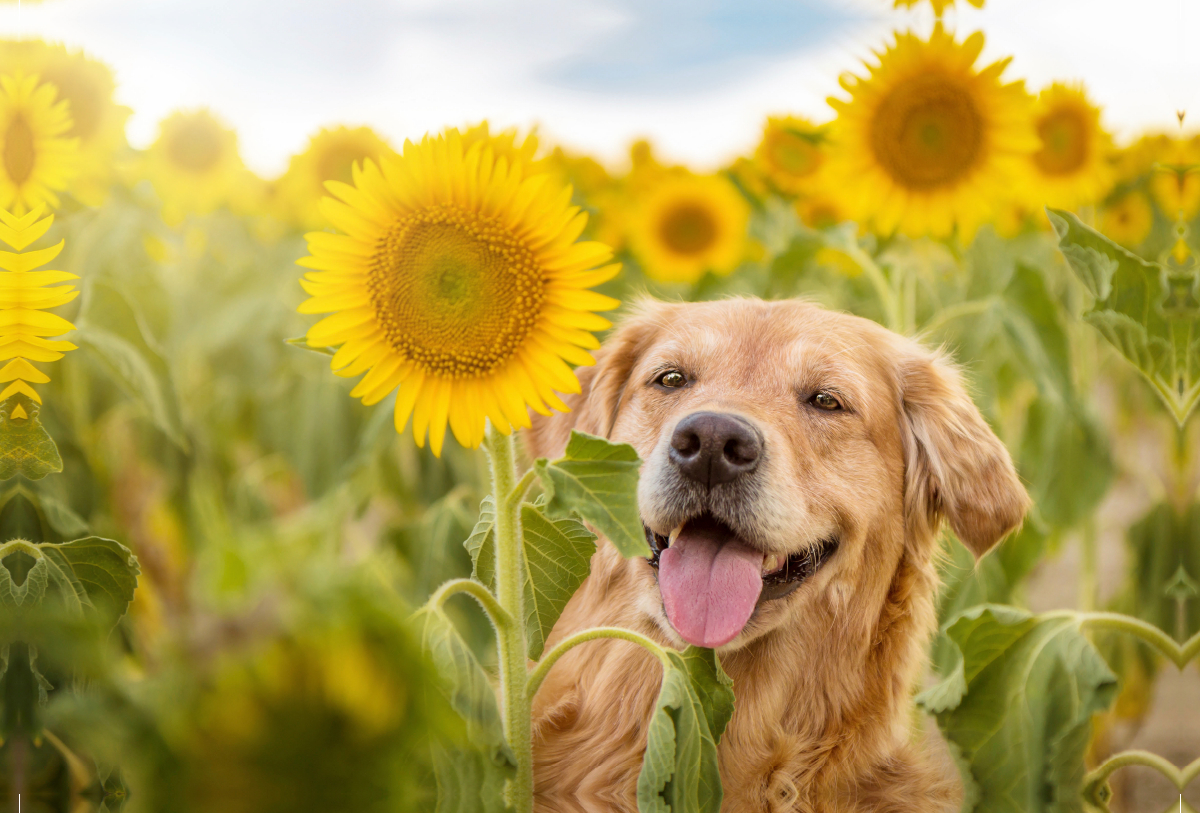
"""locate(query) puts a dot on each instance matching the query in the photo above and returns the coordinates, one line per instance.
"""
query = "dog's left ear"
(594, 408)
(955, 466)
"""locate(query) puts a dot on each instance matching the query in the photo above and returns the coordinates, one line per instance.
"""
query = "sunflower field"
(257, 434)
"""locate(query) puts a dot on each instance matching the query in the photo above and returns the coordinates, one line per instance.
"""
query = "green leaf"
(32, 588)
(597, 480)
(481, 544)
(1018, 705)
(1163, 548)
(90, 575)
(26, 448)
(464, 683)
(303, 344)
(679, 770)
(1150, 313)
(137, 376)
(106, 571)
(556, 558)
(467, 781)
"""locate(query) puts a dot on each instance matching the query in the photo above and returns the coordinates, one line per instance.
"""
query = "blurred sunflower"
(585, 174)
(939, 6)
(820, 212)
(689, 224)
(330, 155)
(790, 153)
(97, 121)
(1127, 219)
(1175, 178)
(25, 295)
(927, 142)
(504, 144)
(1071, 166)
(37, 157)
(194, 165)
(457, 278)
(1137, 159)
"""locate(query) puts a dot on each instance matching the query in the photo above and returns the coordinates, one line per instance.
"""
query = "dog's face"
(791, 453)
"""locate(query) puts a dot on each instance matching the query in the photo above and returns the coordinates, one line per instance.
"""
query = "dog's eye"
(825, 401)
(672, 379)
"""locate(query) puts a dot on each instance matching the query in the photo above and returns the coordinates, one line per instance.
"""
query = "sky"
(697, 77)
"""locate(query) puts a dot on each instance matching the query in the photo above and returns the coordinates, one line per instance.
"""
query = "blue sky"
(696, 76)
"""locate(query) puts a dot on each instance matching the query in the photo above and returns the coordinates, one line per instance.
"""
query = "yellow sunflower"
(1071, 167)
(1128, 219)
(25, 294)
(457, 278)
(504, 144)
(820, 212)
(87, 86)
(688, 224)
(939, 6)
(1175, 178)
(329, 157)
(790, 153)
(37, 157)
(927, 142)
(194, 165)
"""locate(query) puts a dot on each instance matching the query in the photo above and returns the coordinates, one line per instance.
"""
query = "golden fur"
(823, 677)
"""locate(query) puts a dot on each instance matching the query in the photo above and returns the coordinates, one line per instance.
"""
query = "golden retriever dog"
(798, 464)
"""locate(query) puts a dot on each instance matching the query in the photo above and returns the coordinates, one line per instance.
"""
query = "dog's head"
(791, 455)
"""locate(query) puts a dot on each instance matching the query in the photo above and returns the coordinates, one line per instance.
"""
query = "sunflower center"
(86, 100)
(455, 292)
(195, 147)
(1064, 142)
(19, 153)
(927, 133)
(794, 155)
(688, 228)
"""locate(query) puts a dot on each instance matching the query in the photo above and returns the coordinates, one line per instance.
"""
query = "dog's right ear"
(594, 409)
(956, 467)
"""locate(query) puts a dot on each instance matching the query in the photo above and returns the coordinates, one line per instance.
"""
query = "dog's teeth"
(674, 534)
(770, 563)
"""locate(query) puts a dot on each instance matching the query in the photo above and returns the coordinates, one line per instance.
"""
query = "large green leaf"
(88, 575)
(464, 683)
(555, 560)
(679, 770)
(1150, 313)
(597, 480)
(26, 448)
(115, 332)
(467, 781)
(1018, 705)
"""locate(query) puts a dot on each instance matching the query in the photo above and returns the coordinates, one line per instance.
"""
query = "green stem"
(547, 662)
(1152, 635)
(512, 644)
(518, 493)
(947, 315)
(495, 613)
(908, 287)
(1089, 566)
(885, 292)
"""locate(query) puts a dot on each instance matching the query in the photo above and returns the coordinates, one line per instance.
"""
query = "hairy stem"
(513, 647)
(495, 613)
(547, 662)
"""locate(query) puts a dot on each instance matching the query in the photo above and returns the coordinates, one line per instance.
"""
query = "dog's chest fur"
(817, 726)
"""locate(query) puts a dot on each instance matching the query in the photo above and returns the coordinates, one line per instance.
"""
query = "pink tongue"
(710, 582)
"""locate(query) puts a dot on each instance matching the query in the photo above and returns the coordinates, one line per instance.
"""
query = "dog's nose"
(713, 447)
